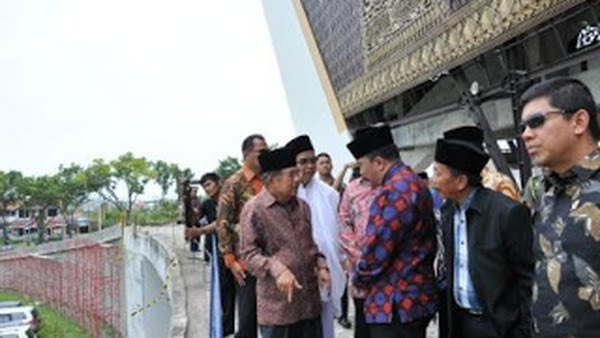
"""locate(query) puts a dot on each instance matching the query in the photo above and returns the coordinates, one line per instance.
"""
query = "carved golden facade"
(405, 42)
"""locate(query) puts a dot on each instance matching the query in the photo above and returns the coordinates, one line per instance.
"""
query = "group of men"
(504, 267)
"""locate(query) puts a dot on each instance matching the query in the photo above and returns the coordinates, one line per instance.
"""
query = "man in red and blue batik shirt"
(396, 265)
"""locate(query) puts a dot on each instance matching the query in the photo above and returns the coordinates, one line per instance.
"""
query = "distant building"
(21, 221)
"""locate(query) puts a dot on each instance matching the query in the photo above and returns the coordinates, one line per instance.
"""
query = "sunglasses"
(537, 120)
(305, 161)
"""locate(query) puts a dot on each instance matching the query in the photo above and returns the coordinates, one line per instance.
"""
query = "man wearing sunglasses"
(560, 130)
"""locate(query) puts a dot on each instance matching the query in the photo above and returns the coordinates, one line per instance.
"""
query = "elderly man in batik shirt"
(236, 191)
(277, 244)
(323, 201)
(560, 129)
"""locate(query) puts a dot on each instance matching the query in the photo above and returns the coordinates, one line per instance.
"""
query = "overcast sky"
(181, 81)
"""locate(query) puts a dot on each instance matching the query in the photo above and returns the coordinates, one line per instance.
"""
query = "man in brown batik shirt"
(278, 247)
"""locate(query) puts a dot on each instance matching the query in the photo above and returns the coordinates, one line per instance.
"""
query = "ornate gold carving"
(393, 25)
(425, 38)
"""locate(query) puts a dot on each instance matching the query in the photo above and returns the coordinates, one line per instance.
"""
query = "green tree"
(163, 212)
(132, 172)
(9, 196)
(228, 167)
(74, 191)
(40, 193)
(169, 174)
(101, 181)
(164, 176)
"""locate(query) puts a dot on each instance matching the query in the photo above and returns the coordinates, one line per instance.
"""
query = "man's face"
(211, 188)
(286, 183)
(324, 166)
(252, 157)
(371, 169)
(549, 135)
(307, 165)
(444, 182)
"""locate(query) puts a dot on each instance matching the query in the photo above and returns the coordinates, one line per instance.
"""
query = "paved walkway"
(196, 275)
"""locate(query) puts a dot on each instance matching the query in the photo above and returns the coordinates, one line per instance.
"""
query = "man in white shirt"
(323, 202)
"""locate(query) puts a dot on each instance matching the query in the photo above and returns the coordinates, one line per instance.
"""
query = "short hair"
(324, 155)
(210, 177)
(266, 176)
(389, 152)
(248, 143)
(567, 94)
(423, 175)
(473, 180)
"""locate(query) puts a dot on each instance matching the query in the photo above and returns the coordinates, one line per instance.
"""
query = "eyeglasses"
(308, 160)
(537, 120)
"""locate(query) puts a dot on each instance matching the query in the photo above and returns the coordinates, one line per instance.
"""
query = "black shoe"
(345, 323)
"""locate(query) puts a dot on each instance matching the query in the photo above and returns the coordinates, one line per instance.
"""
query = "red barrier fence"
(84, 281)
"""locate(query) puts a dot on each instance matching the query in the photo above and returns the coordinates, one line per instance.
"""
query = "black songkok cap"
(462, 149)
(277, 159)
(467, 134)
(299, 144)
(369, 139)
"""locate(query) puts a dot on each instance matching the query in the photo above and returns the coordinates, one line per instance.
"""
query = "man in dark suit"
(488, 245)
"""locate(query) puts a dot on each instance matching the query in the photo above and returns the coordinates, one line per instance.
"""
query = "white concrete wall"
(153, 283)
(305, 95)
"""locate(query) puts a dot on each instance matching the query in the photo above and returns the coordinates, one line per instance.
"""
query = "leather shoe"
(345, 323)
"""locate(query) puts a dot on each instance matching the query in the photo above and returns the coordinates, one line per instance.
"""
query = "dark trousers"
(227, 298)
(443, 316)
(208, 239)
(344, 314)
(396, 329)
(247, 309)
(195, 244)
(471, 326)
(361, 330)
(304, 329)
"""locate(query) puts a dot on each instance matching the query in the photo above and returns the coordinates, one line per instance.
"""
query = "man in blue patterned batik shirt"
(396, 265)
(487, 239)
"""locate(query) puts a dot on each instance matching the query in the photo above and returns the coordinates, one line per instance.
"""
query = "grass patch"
(54, 323)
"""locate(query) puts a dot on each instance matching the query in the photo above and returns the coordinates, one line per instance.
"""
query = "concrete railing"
(154, 288)
(103, 236)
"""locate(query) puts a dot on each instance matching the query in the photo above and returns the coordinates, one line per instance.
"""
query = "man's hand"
(226, 198)
(351, 165)
(347, 265)
(193, 232)
(238, 272)
(286, 283)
